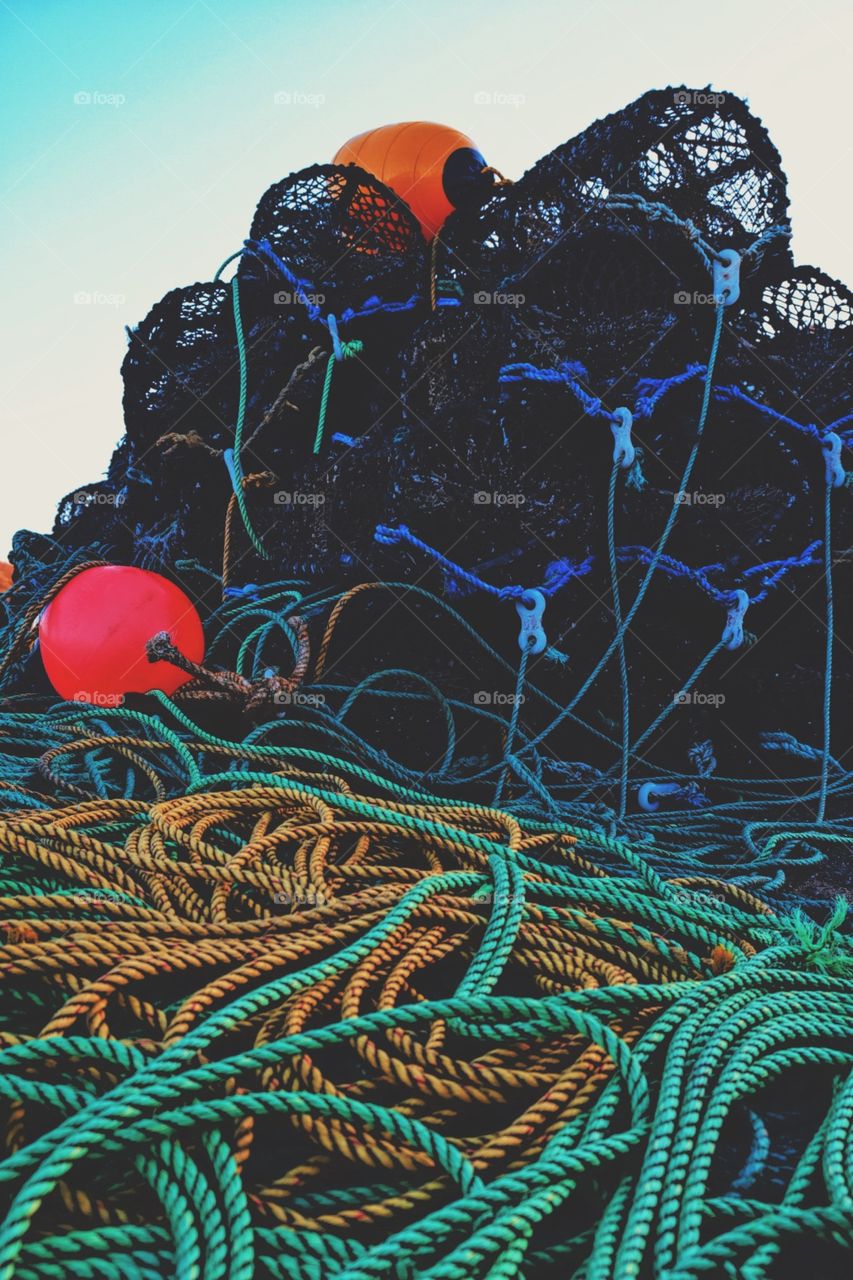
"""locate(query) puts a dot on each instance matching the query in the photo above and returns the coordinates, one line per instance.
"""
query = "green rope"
(620, 636)
(239, 488)
(827, 679)
(348, 350)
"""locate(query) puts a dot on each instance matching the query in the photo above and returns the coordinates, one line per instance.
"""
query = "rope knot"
(269, 688)
(388, 536)
(160, 648)
(733, 630)
(173, 440)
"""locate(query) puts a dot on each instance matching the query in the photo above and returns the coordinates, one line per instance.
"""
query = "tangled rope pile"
(287, 1027)
(287, 701)
(388, 946)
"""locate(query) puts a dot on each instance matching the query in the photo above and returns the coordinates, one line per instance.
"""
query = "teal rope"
(348, 350)
(620, 635)
(685, 688)
(239, 488)
(231, 257)
(827, 678)
(659, 550)
(514, 718)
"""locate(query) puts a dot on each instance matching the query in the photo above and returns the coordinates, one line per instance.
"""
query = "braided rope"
(270, 950)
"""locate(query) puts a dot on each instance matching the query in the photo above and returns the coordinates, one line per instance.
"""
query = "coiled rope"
(448, 1021)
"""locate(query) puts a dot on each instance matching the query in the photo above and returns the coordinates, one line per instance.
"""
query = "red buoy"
(92, 635)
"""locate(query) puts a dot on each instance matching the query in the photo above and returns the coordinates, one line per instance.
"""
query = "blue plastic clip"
(647, 796)
(733, 631)
(530, 608)
(228, 456)
(624, 452)
(727, 276)
(835, 473)
(336, 340)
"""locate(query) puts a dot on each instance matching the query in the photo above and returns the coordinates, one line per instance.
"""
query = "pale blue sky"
(153, 181)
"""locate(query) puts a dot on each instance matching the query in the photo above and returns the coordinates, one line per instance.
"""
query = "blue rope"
(389, 537)
(568, 373)
(560, 572)
(305, 292)
(651, 390)
(301, 288)
(735, 393)
(374, 305)
(780, 568)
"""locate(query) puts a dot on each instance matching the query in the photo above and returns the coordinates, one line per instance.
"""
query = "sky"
(139, 135)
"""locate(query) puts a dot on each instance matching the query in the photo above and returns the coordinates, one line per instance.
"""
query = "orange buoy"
(6, 572)
(434, 168)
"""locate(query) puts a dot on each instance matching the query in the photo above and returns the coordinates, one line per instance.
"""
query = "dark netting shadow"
(470, 369)
(341, 233)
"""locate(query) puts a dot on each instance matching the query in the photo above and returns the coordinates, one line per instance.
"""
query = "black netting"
(705, 156)
(343, 233)
(422, 421)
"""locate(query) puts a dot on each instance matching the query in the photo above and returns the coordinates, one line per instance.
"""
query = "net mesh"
(362, 955)
(509, 478)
